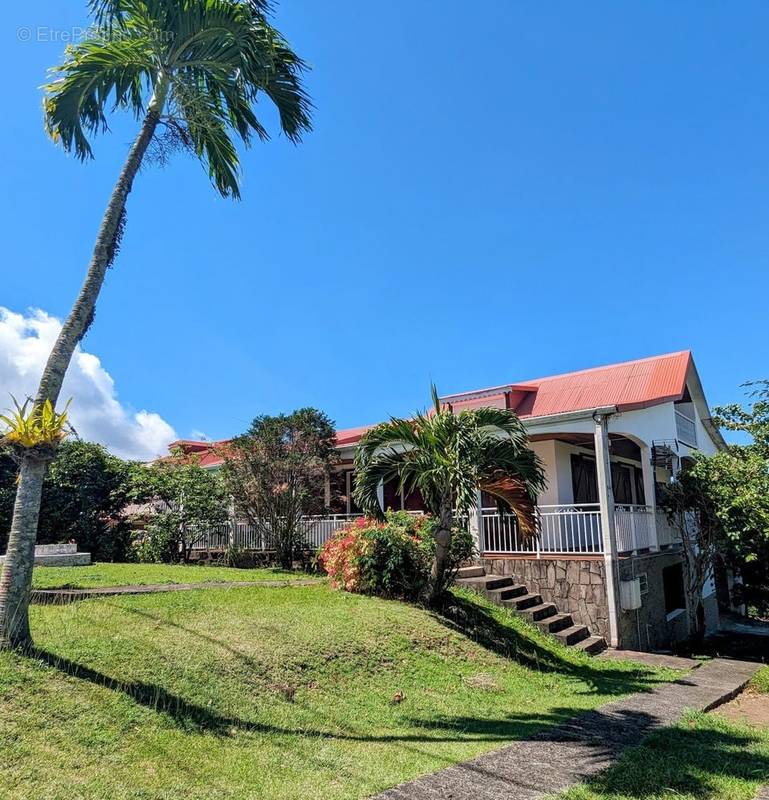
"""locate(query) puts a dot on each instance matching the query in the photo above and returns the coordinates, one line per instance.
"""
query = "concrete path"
(651, 659)
(62, 596)
(568, 754)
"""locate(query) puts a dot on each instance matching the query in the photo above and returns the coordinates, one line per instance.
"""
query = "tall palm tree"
(191, 70)
(448, 457)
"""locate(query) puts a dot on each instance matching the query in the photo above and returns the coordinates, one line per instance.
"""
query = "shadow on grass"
(477, 622)
(700, 762)
(681, 759)
(191, 716)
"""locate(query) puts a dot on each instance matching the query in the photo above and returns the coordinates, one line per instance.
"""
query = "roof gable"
(629, 385)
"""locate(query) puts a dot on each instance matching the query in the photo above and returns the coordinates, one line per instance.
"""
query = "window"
(673, 586)
(622, 483)
(394, 500)
(627, 484)
(643, 582)
(583, 480)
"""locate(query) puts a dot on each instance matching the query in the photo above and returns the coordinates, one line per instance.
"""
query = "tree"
(192, 70)
(753, 421)
(276, 474)
(448, 457)
(727, 495)
(9, 473)
(188, 500)
(689, 505)
(84, 493)
(738, 483)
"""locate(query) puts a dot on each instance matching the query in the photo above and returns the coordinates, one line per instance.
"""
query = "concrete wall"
(576, 586)
(649, 628)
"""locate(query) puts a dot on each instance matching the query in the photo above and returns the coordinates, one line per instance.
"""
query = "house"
(608, 436)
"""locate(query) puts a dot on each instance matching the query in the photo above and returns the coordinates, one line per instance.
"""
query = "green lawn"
(760, 681)
(107, 574)
(705, 757)
(276, 693)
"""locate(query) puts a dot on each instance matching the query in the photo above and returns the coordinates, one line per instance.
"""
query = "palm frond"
(223, 54)
(98, 73)
(206, 125)
(516, 493)
(448, 457)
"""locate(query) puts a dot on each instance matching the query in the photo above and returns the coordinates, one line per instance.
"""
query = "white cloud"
(95, 413)
(199, 435)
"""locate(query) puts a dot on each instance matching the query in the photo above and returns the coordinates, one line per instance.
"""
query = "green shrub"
(159, 543)
(391, 558)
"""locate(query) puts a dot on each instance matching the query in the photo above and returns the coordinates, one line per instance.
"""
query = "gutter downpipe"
(606, 499)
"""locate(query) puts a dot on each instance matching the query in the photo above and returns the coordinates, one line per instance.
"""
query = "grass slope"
(277, 693)
(108, 574)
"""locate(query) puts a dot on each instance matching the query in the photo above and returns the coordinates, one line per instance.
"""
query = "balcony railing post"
(633, 532)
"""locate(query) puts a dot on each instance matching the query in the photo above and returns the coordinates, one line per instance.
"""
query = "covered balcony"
(575, 530)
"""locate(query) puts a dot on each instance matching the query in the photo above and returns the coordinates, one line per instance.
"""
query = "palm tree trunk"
(16, 577)
(442, 552)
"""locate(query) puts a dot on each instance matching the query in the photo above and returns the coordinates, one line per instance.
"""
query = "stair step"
(524, 601)
(540, 612)
(485, 583)
(471, 572)
(592, 645)
(576, 633)
(504, 591)
(498, 595)
(556, 623)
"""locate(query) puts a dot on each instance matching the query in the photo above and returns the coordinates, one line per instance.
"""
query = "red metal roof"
(351, 435)
(629, 385)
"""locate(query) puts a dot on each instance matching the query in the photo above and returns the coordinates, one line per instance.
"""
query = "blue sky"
(492, 192)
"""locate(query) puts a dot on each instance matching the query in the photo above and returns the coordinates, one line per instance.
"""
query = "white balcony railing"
(317, 530)
(634, 527)
(686, 429)
(563, 529)
(572, 529)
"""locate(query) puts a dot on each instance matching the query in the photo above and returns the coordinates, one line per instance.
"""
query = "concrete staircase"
(516, 597)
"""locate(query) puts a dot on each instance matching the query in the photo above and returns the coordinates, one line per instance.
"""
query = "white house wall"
(546, 452)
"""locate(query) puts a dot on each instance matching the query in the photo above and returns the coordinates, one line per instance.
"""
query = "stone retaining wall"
(576, 586)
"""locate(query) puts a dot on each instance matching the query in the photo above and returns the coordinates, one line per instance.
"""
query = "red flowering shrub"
(339, 556)
(390, 558)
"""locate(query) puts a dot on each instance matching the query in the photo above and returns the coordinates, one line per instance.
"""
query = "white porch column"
(647, 470)
(327, 491)
(475, 523)
(380, 495)
(606, 499)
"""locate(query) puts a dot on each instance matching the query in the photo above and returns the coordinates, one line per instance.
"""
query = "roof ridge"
(535, 381)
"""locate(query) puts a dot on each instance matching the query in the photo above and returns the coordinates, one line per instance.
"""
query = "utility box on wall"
(630, 594)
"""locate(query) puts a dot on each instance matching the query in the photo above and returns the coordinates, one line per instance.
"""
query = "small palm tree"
(191, 71)
(448, 457)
